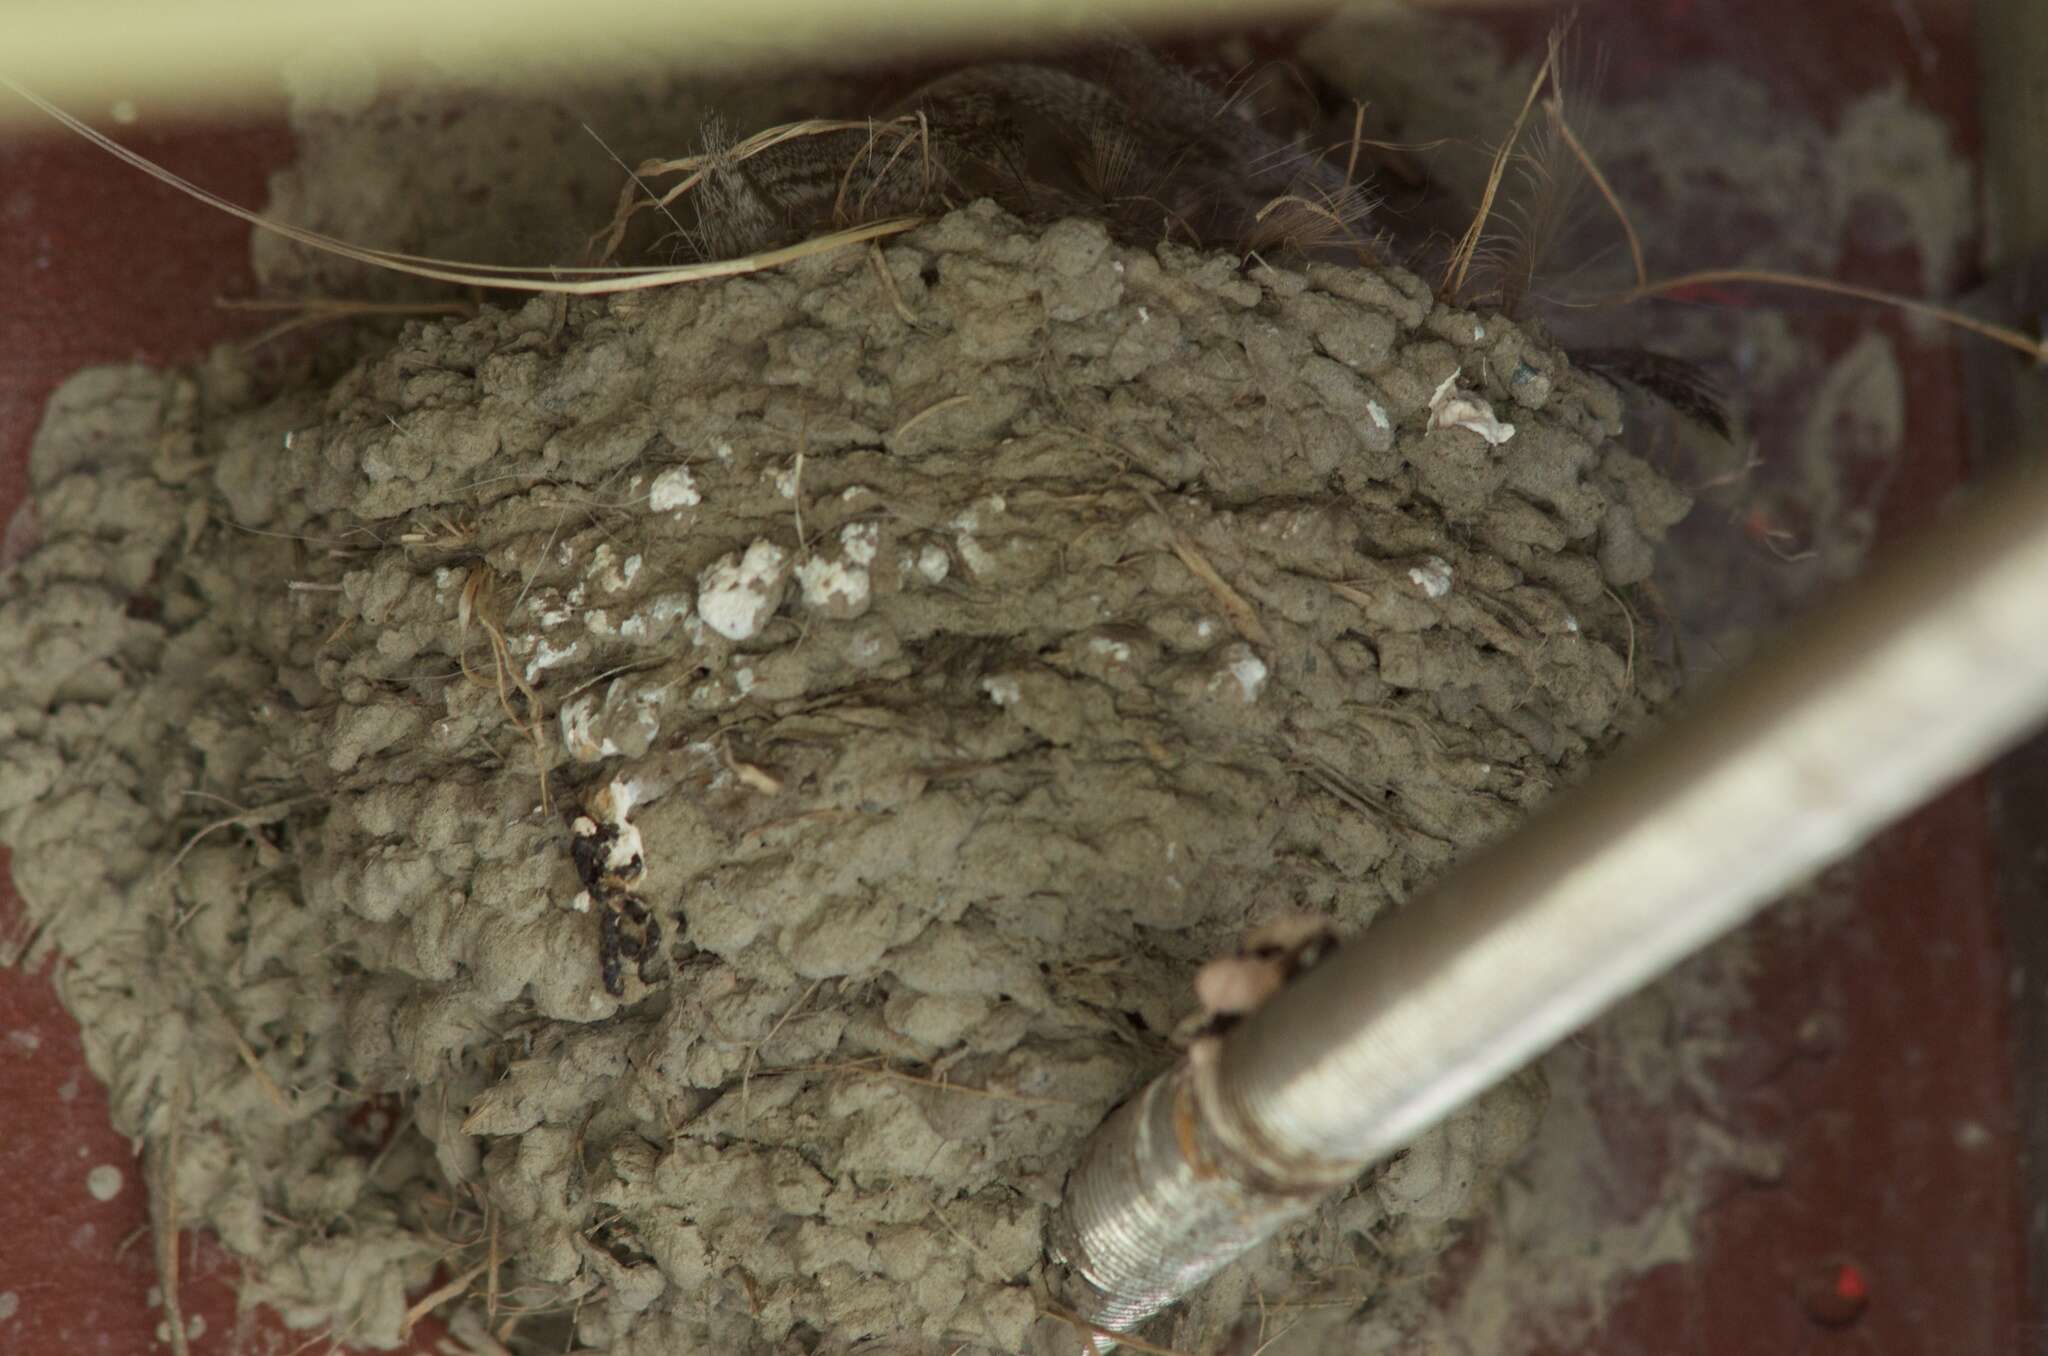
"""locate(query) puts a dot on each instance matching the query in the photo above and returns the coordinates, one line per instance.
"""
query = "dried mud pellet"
(969, 684)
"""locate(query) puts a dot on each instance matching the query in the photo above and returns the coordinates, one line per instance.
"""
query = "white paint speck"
(104, 1182)
(611, 805)
(839, 586)
(288, 439)
(860, 541)
(1571, 623)
(736, 595)
(743, 681)
(625, 847)
(1250, 672)
(26, 1040)
(974, 554)
(933, 563)
(785, 481)
(1452, 408)
(546, 656)
(658, 618)
(1205, 628)
(610, 574)
(1116, 650)
(578, 720)
(10, 1305)
(123, 112)
(969, 521)
(971, 518)
(853, 492)
(723, 451)
(1432, 576)
(1379, 416)
(674, 488)
(1144, 316)
(1003, 691)
(1971, 1135)
(842, 586)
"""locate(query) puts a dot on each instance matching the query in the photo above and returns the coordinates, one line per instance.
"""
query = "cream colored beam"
(219, 54)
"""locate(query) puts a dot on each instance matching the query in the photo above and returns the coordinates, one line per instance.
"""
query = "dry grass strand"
(434, 1299)
(1328, 221)
(936, 407)
(696, 168)
(880, 263)
(163, 1199)
(583, 281)
(2033, 347)
(875, 1070)
(754, 1050)
(1563, 128)
(506, 674)
(312, 311)
(1235, 605)
(1460, 265)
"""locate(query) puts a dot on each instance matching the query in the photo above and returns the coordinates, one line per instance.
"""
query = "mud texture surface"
(974, 635)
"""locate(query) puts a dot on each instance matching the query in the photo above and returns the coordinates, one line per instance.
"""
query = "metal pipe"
(1927, 669)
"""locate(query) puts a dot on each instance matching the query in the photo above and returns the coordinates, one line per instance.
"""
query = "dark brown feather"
(1683, 385)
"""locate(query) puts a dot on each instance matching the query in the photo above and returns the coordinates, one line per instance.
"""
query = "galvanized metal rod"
(1927, 669)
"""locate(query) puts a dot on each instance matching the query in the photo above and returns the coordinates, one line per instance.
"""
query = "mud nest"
(977, 633)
